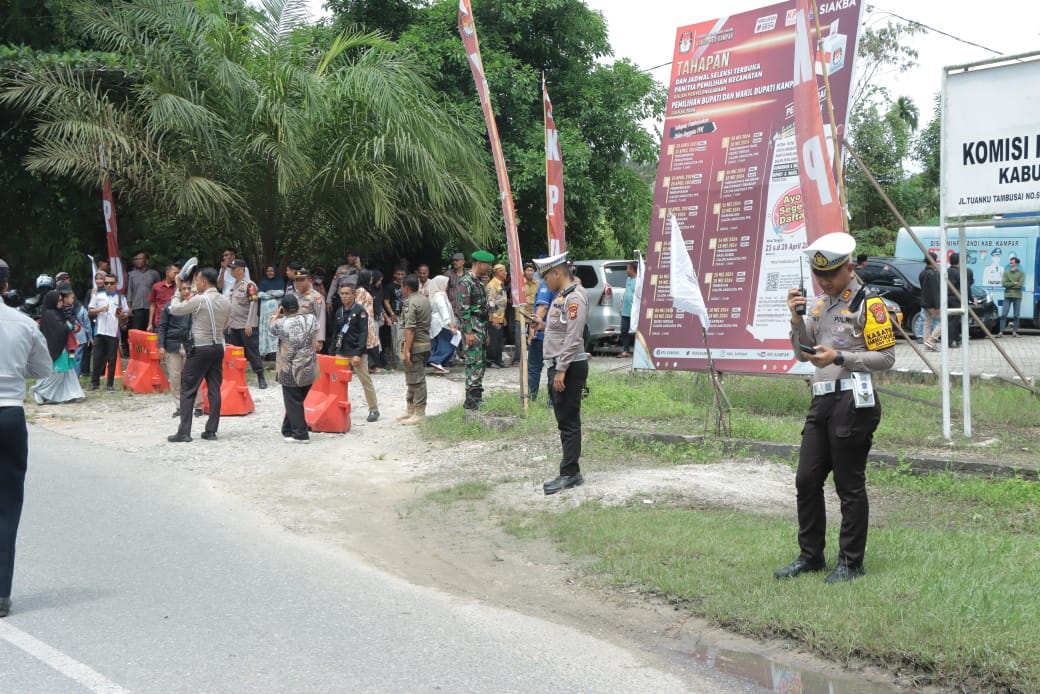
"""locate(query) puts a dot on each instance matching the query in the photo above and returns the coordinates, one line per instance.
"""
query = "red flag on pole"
(468, 31)
(112, 234)
(819, 192)
(553, 179)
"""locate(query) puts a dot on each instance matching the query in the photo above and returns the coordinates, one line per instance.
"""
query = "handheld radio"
(800, 308)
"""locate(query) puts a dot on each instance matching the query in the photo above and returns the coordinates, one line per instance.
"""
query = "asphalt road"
(135, 577)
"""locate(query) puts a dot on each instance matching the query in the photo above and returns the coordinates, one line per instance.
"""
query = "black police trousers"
(249, 343)
(836, 438)
(567, 406)
(203, 364)
(14, 455)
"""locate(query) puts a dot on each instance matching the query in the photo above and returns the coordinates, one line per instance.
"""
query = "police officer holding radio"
(846, 334)
(567, 362)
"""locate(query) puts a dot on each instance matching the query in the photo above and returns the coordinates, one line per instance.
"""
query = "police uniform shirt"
(312, 303)
(245, 302)
(202, 328)
(565, 325)
(829, 322)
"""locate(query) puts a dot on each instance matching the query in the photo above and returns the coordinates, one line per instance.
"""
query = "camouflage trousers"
(475, 357)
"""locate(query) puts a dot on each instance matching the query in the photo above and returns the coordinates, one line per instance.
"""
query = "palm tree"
(260, 129)
(906, 110)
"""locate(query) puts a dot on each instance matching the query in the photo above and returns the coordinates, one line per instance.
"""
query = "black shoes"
(209, 435)
(843, 572)
(5, 607)
(179, 438)
(798, 567)
(373, 416)
(176, 413)
(562, 482)
(261, 382)
(199, 412)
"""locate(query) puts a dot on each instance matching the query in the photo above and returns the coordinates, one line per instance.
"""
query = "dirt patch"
(365, 492)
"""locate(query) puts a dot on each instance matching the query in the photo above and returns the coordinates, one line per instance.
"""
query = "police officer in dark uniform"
(567, 362)
(846, 334)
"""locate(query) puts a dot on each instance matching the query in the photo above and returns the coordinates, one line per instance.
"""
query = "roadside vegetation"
(949, 599)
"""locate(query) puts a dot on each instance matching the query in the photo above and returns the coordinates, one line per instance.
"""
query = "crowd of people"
(468, 323)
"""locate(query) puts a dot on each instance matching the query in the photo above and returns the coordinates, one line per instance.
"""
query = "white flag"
(637, 298)
(686, 292)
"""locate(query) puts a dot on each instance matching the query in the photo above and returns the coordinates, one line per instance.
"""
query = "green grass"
(958, 607)
(465, 491)
(771, 409)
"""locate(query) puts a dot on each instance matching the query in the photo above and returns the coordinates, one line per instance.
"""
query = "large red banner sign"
(468, 31)
(734, 162)
(553, 179)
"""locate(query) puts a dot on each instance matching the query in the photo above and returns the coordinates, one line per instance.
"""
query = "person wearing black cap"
(244, 325)
(846, 334)
(23, 354)
(210, 311)
(298, 335)
(310, 301)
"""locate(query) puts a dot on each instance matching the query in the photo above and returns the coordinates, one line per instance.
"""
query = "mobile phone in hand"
(807, 349)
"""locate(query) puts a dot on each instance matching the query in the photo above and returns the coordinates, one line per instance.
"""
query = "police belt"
(583, 356)
(828, 387)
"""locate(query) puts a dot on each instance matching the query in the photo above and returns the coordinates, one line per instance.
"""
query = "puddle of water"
(782, 678)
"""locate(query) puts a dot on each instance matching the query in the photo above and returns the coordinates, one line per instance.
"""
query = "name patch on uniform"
(572, 311)
(878, 332)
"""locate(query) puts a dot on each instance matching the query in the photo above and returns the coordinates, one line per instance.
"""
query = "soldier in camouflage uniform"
(473, 312)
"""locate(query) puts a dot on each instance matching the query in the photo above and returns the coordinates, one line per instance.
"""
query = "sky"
(644, 30)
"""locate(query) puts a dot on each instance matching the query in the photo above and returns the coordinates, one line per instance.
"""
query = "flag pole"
(720, 402)
(839, 172)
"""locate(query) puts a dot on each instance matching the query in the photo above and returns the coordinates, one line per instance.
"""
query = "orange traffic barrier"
(143, 373)
(327, 406)
(235, 399)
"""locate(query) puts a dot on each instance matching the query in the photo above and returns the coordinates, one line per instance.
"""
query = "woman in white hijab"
(442, 325)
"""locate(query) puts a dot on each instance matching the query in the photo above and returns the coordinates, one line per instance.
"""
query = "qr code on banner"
(772, 281)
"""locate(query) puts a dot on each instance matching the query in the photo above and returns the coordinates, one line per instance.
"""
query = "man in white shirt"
(111, 311)
(23, 354)
(226, 281)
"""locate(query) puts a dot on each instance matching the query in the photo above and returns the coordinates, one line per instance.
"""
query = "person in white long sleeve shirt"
(23, 354)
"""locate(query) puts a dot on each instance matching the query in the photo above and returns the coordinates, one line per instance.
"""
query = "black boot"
(478, 397)
(470, 403)
(261, 382)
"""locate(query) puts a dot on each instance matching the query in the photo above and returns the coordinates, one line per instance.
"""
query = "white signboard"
(991, 139)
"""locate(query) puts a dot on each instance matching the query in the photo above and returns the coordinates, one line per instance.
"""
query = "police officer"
(210, 311)
(567, 362)
(846, 334)
(310, 301)
(473, 315)
(23, 354)
(244, 326)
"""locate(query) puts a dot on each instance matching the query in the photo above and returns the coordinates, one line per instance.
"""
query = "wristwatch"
(840, 359)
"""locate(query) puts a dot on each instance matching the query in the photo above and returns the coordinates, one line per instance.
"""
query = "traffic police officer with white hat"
(846, 334)
(567, 363)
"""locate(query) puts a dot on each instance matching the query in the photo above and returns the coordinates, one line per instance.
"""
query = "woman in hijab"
(297, 368)
(442, 324)
(366, 295)
(58, 330)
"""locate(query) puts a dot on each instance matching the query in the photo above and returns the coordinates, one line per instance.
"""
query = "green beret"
(482, 257)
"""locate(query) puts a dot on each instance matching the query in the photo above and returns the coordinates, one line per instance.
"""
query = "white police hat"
(831, 251)
(546, 264)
